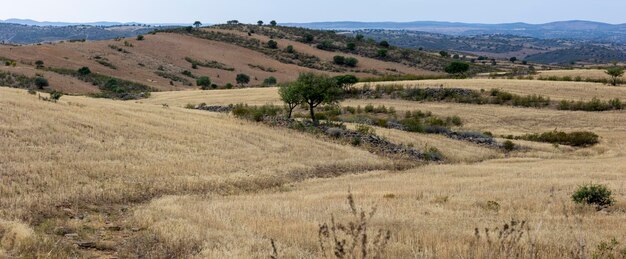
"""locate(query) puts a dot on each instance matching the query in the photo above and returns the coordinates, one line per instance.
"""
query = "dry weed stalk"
(341, 240)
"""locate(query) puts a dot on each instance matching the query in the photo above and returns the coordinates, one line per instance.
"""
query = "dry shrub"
(353, 239)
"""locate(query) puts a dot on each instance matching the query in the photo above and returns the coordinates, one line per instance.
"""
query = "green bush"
(83, 71)
(254, 113)
(508, 145)
(204, 82)
(140, 37)
(593, 194)
(576, 139)
(41, 82)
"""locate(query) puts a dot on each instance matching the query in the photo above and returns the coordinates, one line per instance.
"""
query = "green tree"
(197, 24)
(41, 82)
(513, 59)
(444, 54)
(270, 81)
(384, 44)
(140, 37)
(615, 73)
(290, 94)
(39, 63)
(273, 23)
(242, 79)
(346, 80)
(204, 82)
(260, 23)
(83, 71)
(457, 68)
(382, 53)
(318, 89)
(339, 60)
(308, 38)
(290, 49)
(351, 46)
(272, 44)
(351, 62)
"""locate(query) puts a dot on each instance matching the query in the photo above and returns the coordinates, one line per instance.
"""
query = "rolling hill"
(172, 59)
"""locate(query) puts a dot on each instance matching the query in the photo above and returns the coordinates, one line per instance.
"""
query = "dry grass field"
(555, 90)
(573, 73)
(100, 178)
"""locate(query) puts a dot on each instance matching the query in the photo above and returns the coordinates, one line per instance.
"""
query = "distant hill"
(27, 34)
(582, 54)
(60, 24)
(580, 30)
(546, 51)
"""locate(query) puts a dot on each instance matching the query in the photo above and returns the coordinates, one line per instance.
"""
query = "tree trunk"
(311, 109)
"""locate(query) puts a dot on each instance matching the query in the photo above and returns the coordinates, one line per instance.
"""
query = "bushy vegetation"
(458, 95)
(209, 64)
(110, 87)
(593, 194)
(255, 113)
(21, 81)
(576, 139)
(204, 82)
(594, 105)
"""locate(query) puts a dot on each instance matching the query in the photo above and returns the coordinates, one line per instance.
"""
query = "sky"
(250, 11)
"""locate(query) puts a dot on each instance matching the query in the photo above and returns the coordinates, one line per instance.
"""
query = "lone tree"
(260, 23)
(290, 94)
(197, 24)
(41, 82)
(270, 81)
(204, 82)
(457, 68)
(615, 72)
(513, 59)
(272, 44)
(273, 23)
(318, 89)
(242, 79)
(384, 44)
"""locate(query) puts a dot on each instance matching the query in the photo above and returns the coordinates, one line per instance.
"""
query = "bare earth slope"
(139, 61)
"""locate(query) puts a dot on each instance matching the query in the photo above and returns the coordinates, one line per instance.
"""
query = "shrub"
(290, 49)
(39, 64)
(508, 145)
(83, 71)
(41, 82)
(351, 62)
(254, 113)
(140, 37)
(365, 130)
(270, 81)
(55, 96)
(577, 139)
(339, 60)
(242, 79)
(204, 82)
(593, 194)
(272, 44)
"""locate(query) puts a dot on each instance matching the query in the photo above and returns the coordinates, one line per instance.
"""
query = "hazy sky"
(211, 11)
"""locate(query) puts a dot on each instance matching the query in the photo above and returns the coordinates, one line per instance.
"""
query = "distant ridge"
(102, 23)
(575, 29)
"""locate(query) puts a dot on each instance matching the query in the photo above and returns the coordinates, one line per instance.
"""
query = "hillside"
(173, 59)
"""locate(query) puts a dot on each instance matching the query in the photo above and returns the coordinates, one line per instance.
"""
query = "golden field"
(140, 178)
(554, 89)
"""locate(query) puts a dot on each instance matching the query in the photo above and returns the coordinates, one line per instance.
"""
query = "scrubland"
(150, 178)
